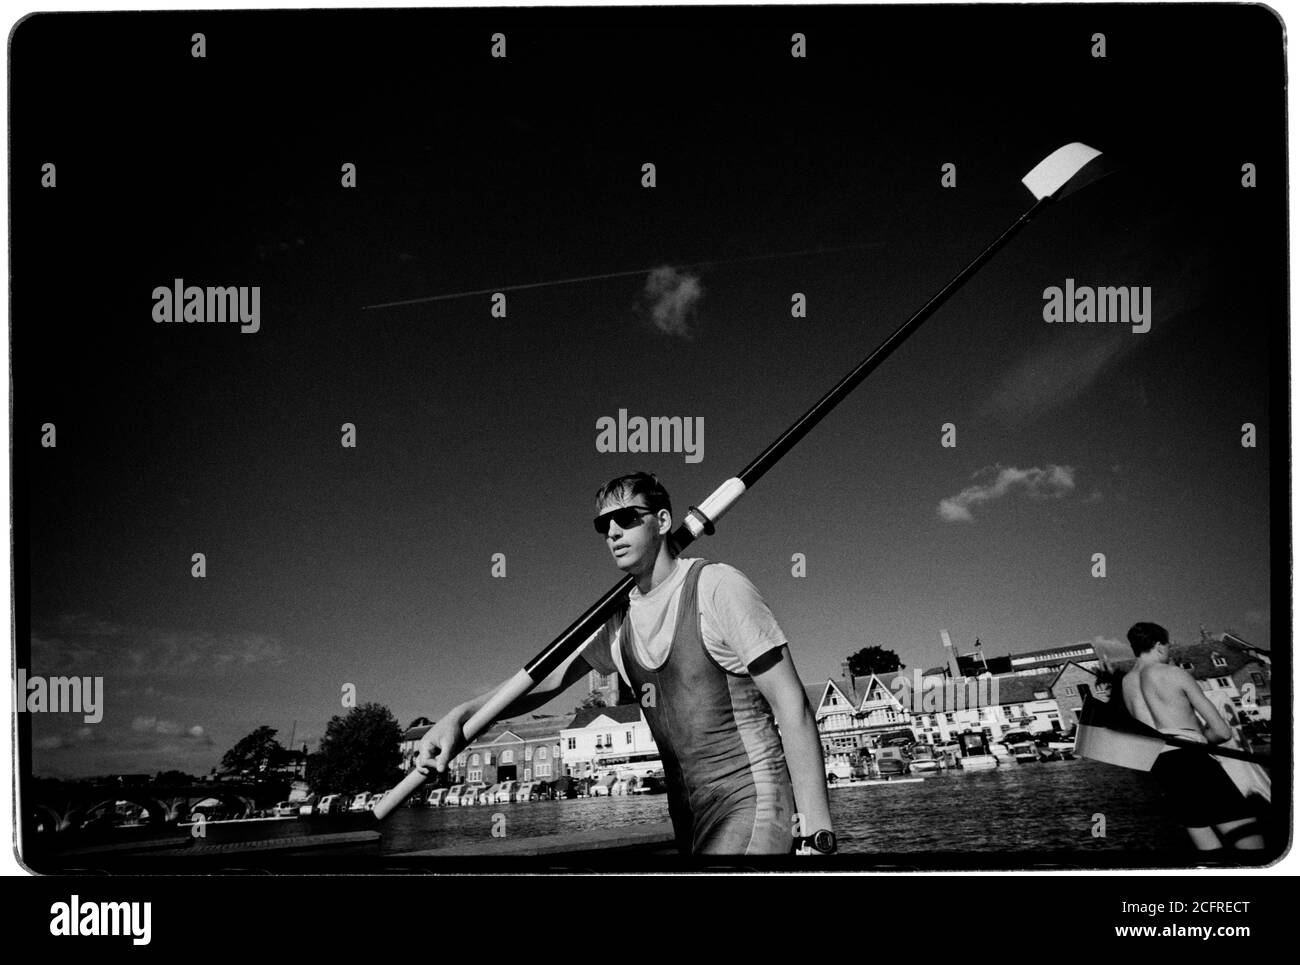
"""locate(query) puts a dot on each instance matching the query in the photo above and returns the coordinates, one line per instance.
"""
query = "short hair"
(1143, 636)
(645, 484)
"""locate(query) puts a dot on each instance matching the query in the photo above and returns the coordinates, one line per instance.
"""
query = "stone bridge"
(73, 805)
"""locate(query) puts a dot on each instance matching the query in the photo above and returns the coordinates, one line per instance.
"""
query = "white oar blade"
(1057, 168)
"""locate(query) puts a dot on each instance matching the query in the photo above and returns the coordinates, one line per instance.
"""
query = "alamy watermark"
(190, 303)
(940, 694)
(656, 434)
(61, 695)
(1106, 305)
(76, 917)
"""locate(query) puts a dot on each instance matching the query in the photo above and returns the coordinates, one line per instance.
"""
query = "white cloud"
(670, 297)
(1051, 482)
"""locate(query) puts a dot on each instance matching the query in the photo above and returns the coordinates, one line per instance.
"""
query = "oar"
(1046, 180)
(1108, 735)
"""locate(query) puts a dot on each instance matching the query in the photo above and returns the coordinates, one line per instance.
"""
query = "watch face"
(824, 841)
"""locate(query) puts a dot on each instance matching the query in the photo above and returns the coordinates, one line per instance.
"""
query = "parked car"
(360, 801)
(308, 807)
(453, 796)
(471, 794)
(331, 804)
(285, 809)
(844, 768)
(437, 797)
(505, 792)
(374, 799)
(651, 784)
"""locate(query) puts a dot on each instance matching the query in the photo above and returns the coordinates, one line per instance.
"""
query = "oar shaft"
(1260, 759)
(773, 453)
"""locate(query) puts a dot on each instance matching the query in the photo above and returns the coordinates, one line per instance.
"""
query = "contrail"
(619, 274)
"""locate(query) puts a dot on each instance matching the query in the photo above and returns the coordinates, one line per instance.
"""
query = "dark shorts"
(1197, 790)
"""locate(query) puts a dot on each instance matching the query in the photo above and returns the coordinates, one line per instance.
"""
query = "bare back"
(1157, 695)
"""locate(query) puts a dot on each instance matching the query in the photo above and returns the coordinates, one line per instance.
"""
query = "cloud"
(152, 725)
(81, 645)
(1057, 372)
(1052, 482)
(670, 297)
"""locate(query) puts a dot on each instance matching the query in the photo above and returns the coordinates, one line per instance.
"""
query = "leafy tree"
(593, 699)
(871, 660)
(359, 750)
(253, 753)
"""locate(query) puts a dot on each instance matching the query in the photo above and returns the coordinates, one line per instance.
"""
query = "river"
(1013, 808)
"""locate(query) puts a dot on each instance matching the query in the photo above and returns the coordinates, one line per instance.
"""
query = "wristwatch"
(822, 841)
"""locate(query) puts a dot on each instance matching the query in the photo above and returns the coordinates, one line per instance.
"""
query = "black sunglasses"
(627, 517)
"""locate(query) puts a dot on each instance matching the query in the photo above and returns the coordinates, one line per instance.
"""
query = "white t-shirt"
(735, 623)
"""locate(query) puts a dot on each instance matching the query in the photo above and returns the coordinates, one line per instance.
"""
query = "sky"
(372, 566)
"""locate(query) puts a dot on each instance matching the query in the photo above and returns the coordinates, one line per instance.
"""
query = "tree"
(871, 660)
(593, 699)
(359, 750)
(253, 753)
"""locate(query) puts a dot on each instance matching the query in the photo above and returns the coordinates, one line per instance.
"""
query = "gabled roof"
(880, 685)
(816, 695)
(619, 714)
(1061, 670)
(1021, 689)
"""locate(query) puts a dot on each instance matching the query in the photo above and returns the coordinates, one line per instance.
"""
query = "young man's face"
(635, 545)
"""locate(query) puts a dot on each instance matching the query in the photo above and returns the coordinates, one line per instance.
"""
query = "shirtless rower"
(1199, 791)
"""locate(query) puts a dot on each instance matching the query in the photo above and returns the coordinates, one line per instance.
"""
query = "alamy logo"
(940, 694)
(1084, 304)
(182, 303)
(62, 695)
(71, 918)
(656, 434)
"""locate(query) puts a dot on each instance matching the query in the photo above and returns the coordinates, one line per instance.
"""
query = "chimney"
(954, 671)
(847, 676)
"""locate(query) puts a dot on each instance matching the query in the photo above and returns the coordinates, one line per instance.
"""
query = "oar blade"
(1054, 171)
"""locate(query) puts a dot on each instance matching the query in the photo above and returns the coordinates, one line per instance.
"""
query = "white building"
(600, 740)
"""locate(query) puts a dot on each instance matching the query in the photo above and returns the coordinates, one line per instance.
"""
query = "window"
(1258, 678)
(543, 770)
(1218, 660)
(573, 744)
(1223, 682)
(1188, 666)
(507, 757)
(473, 760)
(528, 752)
(541, 754)
(629, 736)
(487, 758)
(1068, 691)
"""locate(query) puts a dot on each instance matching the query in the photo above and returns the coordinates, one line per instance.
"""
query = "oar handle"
(494, 708)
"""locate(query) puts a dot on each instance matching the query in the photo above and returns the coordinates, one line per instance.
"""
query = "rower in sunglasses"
(713, 674)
